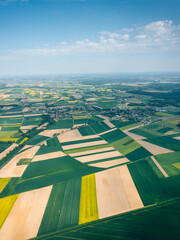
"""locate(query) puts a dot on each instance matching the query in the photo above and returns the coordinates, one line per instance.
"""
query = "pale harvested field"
(170, 133)
(3, 96)
(110, 163)
(43, 125)
(47, 156)
(24, 131)
(107, 131)
(5, 152)
(11, 116)
(50, 133)
(25, 147)
(86, 144)
(135, 136)
(70, 136)
(114, 194)
(30, 115)
(91, 99)
(177, 138)
(99, 156)
(0, 128)
(25, 217)
(28, 127)
(7, 108)
(11, 169)
(152, 148)
(91, 151)
(74, 135)
(103, 117)
(79, 125)
(159, 166)
(130, 188)
(107, 122)
(26, 109)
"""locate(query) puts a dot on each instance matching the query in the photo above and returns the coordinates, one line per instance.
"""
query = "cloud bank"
(159, 36)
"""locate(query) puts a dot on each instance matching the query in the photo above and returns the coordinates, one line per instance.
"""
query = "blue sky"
(89, 36)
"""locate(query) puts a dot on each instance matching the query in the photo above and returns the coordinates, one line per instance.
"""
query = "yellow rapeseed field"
(6, 205)
(88, 210)
(25, 139)
(3, 183)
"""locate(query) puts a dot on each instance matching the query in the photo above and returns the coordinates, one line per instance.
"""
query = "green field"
(98, 127)
(61, 124)
(63, 207)
(87, 148)
(148, 133)
(167, 162)
(142, 224)
(36, 139)
(52, 171)
(165, 129)
(4, 146)
(80, 120)
(9, 188)
(113, 136)
(54, 143)
(166, 142)
(137, 154)
(31, 120)
(86, 131)
(147, 182)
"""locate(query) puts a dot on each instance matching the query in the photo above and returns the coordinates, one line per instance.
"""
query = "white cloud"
(156, 36)
(5, 2)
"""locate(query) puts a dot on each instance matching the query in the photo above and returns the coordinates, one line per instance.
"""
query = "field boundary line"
(159, 166)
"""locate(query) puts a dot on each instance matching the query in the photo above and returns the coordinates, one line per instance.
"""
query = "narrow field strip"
(25, 217)
(103, 117)
(28, 127)
(52, 213)
(107, 131)
(3, 183)
(109, 124)
(154, 149)
(69, 215)
(82, 138)
(81, 141)
(6, 205)
(130, 188)
(110, 163)
(132, 128)
(159, 166)
(134, 136)
(99, 156)
(131, 149)
(48, 156)
(79, 150)
(86, 144)
(11, 116)
(91, 151)
(177, 138)
(112, 195)
(88, 202)
(11, 169)
(105, 160)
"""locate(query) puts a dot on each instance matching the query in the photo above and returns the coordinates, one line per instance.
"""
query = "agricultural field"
(89, 158)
